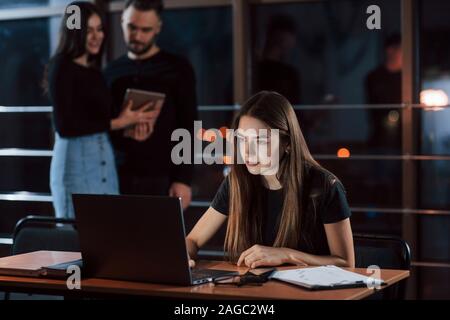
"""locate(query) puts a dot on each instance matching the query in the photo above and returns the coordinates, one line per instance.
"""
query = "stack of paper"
(325, 277)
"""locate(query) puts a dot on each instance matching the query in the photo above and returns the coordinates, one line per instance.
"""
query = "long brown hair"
(72, 42)
(246, 189)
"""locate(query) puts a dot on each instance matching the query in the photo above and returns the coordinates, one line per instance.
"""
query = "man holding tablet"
(144, 163)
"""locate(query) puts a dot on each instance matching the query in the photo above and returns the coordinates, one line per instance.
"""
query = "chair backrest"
(34, 233)
(386, 252)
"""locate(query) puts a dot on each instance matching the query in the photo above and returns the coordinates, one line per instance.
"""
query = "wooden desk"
(98, 287)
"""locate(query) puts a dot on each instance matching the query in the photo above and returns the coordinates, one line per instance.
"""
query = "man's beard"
(143, 49)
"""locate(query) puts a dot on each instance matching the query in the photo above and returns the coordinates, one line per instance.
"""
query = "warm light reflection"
(433, 98)
(200, 134)
(210, 135)
(227, 160)
(343, 153)
(393, 116)
(223, 132)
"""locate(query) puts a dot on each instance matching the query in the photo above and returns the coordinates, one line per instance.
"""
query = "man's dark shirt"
(168, 74)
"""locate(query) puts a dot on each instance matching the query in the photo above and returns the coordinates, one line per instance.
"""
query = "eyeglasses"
(254, 277)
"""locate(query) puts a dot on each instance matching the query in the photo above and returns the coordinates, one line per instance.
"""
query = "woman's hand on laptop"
(191, 262)
(192, 249)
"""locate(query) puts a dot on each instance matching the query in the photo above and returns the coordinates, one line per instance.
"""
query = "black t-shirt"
(80, 97)
(169, 74)
(324, 192)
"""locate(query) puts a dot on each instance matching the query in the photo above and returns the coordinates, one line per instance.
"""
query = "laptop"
(136, 238)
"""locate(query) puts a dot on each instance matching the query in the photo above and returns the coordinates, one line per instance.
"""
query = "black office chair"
(34, 233)
(387, 252)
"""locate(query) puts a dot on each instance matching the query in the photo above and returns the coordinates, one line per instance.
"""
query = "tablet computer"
(141, 97)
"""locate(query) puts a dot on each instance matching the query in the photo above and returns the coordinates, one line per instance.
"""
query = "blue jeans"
(82, 164)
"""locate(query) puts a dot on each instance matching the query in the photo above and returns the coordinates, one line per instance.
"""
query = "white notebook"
(325, 277)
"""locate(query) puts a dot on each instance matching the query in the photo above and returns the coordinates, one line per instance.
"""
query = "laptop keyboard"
(198, 274)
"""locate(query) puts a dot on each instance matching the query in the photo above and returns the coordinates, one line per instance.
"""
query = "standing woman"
(83, 159)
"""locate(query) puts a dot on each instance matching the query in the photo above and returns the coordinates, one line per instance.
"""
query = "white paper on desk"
(326, 276)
